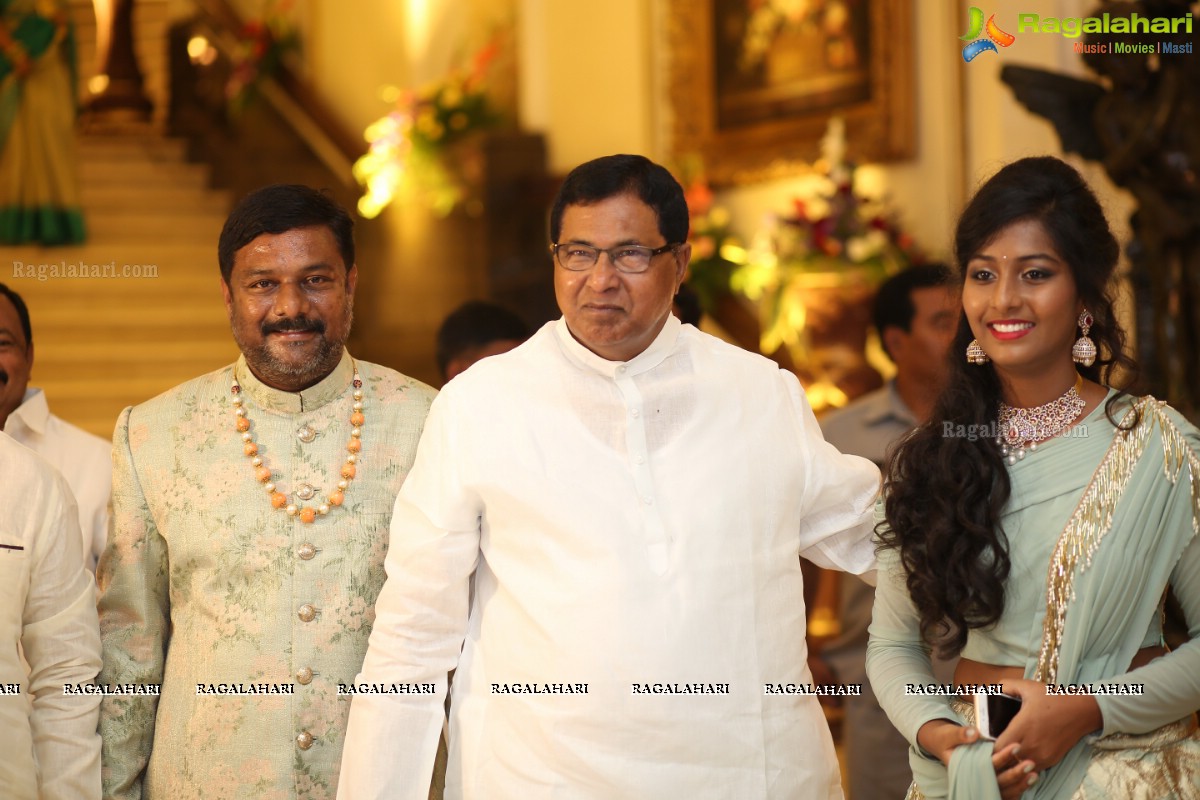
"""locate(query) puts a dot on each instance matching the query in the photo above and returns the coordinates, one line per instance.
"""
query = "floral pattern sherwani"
(205, 583)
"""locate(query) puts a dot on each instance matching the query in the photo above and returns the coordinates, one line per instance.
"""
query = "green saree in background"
(1137, 512)
(39, 184)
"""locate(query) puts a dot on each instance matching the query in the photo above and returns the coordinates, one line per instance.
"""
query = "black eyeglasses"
(630, 258)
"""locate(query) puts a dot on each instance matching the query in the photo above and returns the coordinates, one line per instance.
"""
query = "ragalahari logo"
(975, 27)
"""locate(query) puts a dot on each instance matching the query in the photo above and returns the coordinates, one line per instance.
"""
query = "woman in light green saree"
(1034, 525)
(39, 185)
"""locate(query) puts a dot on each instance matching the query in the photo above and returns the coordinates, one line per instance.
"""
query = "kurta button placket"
(635, 442)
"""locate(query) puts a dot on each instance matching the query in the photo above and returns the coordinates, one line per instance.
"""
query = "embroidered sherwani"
(204, 583)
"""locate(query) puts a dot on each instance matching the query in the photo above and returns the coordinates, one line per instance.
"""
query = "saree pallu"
(1105, 582)
(39, 185)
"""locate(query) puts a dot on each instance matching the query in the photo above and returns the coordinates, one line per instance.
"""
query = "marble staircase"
(137, 308)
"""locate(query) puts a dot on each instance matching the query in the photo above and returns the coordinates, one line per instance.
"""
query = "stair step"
(161, 225)
(132, 148)
(68, 340)
(113, 372)
(130, 389)
(129, 251)
(121, 292)
(143, 174)
(95, 405)
(157, 199)
(64, 321)
(99, 274)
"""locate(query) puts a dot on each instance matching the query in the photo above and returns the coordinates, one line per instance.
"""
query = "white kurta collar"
(648, 359)
(33, 413)
(329, 388)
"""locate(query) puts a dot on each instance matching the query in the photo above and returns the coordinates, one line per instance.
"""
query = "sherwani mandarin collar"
(328, 389)
(648, 359)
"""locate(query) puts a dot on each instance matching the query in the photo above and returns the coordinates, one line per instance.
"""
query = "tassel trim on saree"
(1093, 515)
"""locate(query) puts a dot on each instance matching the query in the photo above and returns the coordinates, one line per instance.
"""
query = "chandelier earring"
(975, 354)
(1084, 350)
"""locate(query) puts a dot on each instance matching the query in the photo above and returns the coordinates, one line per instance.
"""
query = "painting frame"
(880, 128)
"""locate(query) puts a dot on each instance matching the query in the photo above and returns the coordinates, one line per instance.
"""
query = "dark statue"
(1141, 120)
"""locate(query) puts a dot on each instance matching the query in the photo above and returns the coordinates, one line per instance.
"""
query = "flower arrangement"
(717, 253)
(832, 238)
(263, 45)
(408, 145)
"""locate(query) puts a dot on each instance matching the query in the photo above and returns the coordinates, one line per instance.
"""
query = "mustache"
(294, 325)
(4, 377)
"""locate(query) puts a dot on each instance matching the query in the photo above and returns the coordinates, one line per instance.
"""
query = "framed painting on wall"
(753, 83)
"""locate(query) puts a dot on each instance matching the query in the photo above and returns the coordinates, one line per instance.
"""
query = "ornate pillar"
(122, 96)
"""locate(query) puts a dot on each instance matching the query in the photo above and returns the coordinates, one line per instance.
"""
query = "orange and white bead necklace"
(262, 472)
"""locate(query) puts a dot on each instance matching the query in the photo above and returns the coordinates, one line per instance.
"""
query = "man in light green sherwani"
(250, 519)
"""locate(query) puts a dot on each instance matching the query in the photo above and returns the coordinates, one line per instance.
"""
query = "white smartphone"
(993, 712)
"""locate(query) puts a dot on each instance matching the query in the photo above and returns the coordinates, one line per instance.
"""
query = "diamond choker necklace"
(1022, 428)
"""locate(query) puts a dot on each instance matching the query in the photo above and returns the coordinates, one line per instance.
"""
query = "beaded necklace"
(262, 472)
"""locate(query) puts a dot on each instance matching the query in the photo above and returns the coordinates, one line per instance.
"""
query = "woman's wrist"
(935, 736)
(1085, 714)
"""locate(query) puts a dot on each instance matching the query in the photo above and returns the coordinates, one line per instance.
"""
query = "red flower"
(699, 198)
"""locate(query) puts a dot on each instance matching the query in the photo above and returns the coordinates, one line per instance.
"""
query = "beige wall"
(586, 77)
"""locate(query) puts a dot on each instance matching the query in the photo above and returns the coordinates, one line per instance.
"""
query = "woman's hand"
(1047, 727)
(939, 737)
(1014, 775)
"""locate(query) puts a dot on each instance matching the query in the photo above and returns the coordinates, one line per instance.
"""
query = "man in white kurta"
(633, 524)
(83, 459)
(49, 748)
